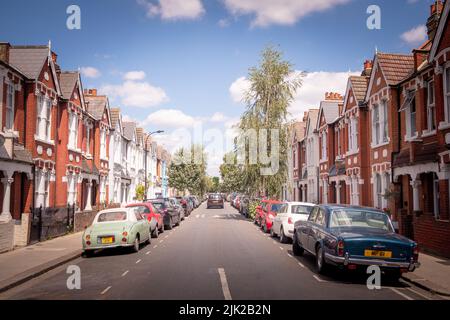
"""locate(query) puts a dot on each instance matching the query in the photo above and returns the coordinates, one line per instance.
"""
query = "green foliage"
(252, 209)
(273, 86)
(140, 192)
(188, 170)
(231, 174)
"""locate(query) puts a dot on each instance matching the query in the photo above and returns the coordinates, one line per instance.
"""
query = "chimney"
(433, 20)
(54, 58)
(90, 92)
(333, 96)
(4, 51)
(368, 66)
(305, 116)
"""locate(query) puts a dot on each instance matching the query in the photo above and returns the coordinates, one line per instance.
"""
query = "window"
(379, 191)
(71, 189)
(431, 107)
(112, 217)
(10, 92)
(376, 124)
(412, 118)
(88, 140)
(103, 144)
(44, 118)
(353, 135)
(339, 151)
(361, 219)
(447, 93)
(73, 130)
(324, 146)
(42, 189)
(313, 215)
(385, 133)
(320, 219)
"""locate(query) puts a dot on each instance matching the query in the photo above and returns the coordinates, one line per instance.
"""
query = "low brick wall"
(6, 236)
(432, 235)
(22, 230)
(83, 220)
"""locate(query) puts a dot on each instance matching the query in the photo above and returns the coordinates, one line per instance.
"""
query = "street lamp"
(146, 155)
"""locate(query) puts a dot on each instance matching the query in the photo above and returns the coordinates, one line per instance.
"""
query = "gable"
(46, 76)
(442, 39)
(377, 80)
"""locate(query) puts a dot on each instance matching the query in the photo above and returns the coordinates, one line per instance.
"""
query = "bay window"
(385, 134)
(353, 135)
(10, 99)
(431, 107)
(43, 126)
(376, 125)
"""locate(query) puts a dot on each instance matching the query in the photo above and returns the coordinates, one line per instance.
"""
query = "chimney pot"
(4, 51)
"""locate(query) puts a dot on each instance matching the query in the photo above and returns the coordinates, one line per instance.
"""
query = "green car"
(116, 228)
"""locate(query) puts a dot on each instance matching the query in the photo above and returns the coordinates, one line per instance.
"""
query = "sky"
(181, 65)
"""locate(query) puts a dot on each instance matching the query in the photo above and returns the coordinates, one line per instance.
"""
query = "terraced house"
(387, 143)
(63, 154)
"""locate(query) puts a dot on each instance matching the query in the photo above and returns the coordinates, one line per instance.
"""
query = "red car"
(266, 212)
(156, 220)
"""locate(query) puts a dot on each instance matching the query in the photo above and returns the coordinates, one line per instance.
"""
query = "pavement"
(21, 265)
(213, 255)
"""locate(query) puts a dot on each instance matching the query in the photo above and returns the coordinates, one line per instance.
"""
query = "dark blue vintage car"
(349, 236)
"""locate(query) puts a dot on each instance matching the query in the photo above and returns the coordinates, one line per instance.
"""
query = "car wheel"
(320, 260)
(265, 228)
(296, 248)
(169, 226)
(161, 230)
(272, 234)
(178, 221)
(88, 253)
(283, 238)
(155, 233)
(136, 244)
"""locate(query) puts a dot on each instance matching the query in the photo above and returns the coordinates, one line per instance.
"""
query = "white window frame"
(88, 140)
(376, 125)
(384, 126)
(431, 108)
(10, 103)
(73, 131)
(324, 146)
(410, 133)
(44, 119)
(103, 144)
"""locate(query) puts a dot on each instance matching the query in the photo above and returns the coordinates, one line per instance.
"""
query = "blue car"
(352, 237)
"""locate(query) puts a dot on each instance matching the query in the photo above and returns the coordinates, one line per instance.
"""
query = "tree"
(231, 174)
(140, 192)
(188, 170)
(273, 85)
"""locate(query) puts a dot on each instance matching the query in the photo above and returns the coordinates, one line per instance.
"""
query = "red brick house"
(329, 176)
(353, 147)
(299, 163)
(422, 163)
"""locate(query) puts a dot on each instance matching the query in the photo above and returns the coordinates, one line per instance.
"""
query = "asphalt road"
(214, 255)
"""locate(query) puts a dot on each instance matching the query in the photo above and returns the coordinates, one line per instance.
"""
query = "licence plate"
(107, 240)
(377, 253)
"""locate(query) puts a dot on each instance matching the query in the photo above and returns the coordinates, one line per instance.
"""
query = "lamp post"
(146, 155)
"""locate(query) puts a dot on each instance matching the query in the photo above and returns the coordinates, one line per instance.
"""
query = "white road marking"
(166, 237)
(197, 216)
(401, 294)
(318, 279)
(289, 255)
(106, 290)
(156, 246)
(148, 252)
(138, 261)
(161, 241)
(301, 265)
(125, 273)
(224, 282)
(274, 242)
(203, 215)
(281, 248)
(419, 294)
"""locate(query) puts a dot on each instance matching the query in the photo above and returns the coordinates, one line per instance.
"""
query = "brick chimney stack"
(333, 96)
(433, 20)
(90, 92)
(4, 51)
(368, 66)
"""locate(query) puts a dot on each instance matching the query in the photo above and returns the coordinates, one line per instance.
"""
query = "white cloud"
(169, 118)
(90, 72)
(223, 23)
(416, 35)
(136, 94)
(173, 9)
(315, 85)
(238, 89)
(285, 12)
(135, 75)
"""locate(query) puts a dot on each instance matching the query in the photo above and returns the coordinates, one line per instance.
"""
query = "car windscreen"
(300, 209)
(360, 218)
(215, 197)
(277, 207)
(159, 206)
(112, 217)
(141, 209)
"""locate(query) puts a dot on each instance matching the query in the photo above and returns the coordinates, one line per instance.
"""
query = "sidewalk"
(26, 263)
(433, 274)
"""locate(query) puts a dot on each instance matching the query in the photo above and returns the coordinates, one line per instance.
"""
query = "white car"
(290, 213)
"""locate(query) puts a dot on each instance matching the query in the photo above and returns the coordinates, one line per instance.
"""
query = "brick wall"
(6, 236)
(432, 235)
(83, 220)
(22, 231)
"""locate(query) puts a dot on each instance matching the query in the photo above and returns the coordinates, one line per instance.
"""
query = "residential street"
(214, 254)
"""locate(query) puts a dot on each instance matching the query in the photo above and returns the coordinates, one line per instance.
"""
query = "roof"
(330, 110)
(395, 67)
(96, 105)
(440, 31)
(359, 86)
(299, 130)
(29, 59)
(115, 116)
(312, 117)
(68, 80)
(140, 135)
(21, 154)
(129, 129)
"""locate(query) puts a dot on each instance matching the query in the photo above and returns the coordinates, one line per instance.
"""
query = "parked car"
(351, 237)
(215, 200)
(171, 213)
(289, 214)
(114, 228)
(244, 207)
(185, 205)
(266, 212)
(155, 218)
(176, 203)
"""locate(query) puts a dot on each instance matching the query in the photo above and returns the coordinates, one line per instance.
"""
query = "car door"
(316, 230)
(279, 218)
(305, 229)
(141, 226)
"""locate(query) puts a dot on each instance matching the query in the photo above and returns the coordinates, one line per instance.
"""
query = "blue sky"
(188, 58)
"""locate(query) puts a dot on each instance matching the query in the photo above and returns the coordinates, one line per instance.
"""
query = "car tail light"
(88, 243)
(416, 253)
(124, 239)
(352, 267)
(290, 221)
(125, 234)
(340, 248)
(88, 237)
